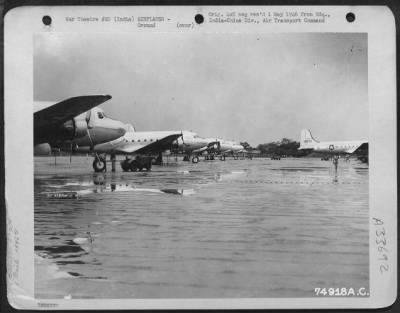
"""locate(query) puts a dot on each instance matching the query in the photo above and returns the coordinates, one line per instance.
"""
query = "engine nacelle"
(81, 128)
(73, 129)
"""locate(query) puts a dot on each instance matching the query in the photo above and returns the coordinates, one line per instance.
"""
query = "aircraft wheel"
(222, 157)
(195, 159)
(211, 157)
(235, 157)
(99, 164)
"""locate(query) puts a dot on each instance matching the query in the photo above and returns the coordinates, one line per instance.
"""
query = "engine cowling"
(73, 129)
(81, 128)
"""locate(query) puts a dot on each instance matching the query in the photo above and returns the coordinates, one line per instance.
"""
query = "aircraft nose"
(121, 131)
(115, 129)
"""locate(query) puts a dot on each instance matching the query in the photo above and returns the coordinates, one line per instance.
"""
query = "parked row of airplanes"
(77, 124)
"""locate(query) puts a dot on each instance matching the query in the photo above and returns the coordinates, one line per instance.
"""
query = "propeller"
(87, 119)
(89, 125)
(89, 136)
(183, 142)
(175, 145)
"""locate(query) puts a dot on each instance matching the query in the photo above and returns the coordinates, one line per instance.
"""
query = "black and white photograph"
(201, 164)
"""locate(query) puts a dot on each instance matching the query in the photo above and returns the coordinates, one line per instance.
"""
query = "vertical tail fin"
(306, 139)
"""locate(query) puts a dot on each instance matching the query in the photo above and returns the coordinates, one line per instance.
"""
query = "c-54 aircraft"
(75, 121)
(308, 143)
(143, 145)
(230, 148)
(193, 145)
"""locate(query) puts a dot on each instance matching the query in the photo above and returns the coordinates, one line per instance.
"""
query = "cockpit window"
(100, 115)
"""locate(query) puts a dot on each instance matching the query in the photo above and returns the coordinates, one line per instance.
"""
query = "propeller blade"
(183, 141)
(88, 131)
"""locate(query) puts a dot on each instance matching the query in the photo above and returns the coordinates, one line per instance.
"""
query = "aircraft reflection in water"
(74, 122)
(209, 219)
(100, 186)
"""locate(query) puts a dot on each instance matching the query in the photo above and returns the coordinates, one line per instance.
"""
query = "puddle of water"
(247, 228)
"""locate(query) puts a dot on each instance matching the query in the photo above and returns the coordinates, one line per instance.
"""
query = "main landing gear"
(195, 159)
(138, 163)
(99, 163)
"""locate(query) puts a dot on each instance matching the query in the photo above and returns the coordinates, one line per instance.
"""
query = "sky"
(245, 87)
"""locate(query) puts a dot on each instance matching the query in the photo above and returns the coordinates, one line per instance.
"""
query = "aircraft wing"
(363, 148)
(152, 148)
(65, 110)
(200, 149)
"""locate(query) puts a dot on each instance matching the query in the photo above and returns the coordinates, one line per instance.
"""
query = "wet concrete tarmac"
(239, 228)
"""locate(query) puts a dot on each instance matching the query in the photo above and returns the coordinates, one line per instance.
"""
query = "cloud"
(229, 86)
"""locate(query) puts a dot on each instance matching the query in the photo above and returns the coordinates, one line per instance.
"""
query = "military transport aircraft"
(193, 145)
(143, 145)
(230, 148)
(75, 121)
(308, 143)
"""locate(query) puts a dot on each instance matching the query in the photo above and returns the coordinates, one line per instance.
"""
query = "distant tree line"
(285, 147)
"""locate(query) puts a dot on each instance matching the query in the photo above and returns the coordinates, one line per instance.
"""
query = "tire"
(99, 164)
(195, 159)
(222, 157)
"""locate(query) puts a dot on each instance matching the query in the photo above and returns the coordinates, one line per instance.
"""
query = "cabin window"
(133, 140)
(100, 114)
(138, 140)
(151, 139)
(145, 140)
